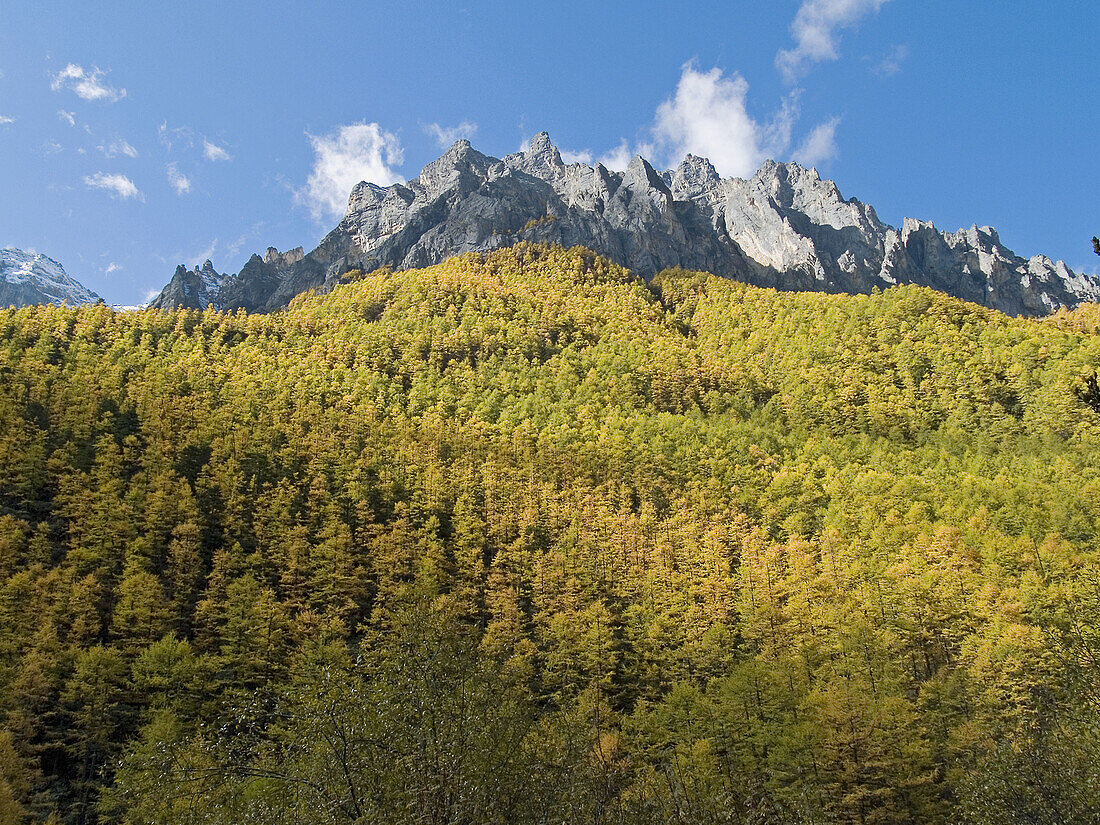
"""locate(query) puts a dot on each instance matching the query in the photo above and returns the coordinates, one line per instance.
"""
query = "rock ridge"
(785, 227)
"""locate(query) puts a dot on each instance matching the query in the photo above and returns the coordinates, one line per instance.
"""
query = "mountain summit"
(785, 227)
(28, 278)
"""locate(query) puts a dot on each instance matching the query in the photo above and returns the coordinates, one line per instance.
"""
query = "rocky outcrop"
(27, 278)
(784, 228)
(195, 288)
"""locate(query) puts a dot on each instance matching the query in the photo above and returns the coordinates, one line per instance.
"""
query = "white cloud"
(86, 83)
(203, 255)
(582, 156)
(67, 117)
(890, 63)
(119, 186)
(4, 121)
(819, 145)
(708, 116)
(343, 158)
(171, 135)
(445, 136)
(214, 152)
(111, 267)
(178, 181)
(816, 32)
(52, 147)
(118, 147)
(617, 159)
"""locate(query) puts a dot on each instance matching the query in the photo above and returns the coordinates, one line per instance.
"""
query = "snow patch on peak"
(32, 278)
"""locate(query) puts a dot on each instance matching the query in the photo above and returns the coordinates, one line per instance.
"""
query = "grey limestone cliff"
(784, 228)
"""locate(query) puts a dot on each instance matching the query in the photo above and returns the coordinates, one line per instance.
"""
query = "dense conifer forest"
(520, 538)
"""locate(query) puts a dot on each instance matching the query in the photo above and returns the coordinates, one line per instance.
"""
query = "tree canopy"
(523, 538)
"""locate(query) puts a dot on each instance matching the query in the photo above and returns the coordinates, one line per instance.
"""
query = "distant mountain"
(784, 228)
(28, 278)
(250, 288)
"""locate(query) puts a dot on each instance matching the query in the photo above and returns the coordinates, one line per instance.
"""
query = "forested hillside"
(520, 538)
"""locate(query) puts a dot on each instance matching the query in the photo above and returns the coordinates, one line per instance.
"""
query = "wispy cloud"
(118, 147)
(446, 135)
(67, 117)
(617, 158)
(173, 135)
(4, 121)
(111, 267)
(177, 180)
(119, 186)
(52, 147)
(577, 156)
(203, 255)
(820, 145)
(344, 157)
(890, 63)
(88, 84)
(214, 152)
(816, 30)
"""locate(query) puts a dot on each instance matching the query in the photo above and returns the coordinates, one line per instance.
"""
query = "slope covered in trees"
(520, 538)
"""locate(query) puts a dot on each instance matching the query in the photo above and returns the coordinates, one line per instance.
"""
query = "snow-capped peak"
(32, 278)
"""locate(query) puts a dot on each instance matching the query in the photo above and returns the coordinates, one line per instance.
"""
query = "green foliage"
(521, 538)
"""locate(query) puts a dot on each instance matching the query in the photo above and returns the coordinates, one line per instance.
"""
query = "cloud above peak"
(816, 30)
(819, 146)
(87, 84)
(708, 115)
(344, 157)
(447, 135)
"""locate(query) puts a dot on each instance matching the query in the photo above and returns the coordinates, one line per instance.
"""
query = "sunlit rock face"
(784, 228)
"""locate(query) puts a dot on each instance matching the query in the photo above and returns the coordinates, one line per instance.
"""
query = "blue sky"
(135, 136)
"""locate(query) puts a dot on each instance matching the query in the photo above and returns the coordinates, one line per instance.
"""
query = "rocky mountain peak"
(640, 173)
(363, 195)
(694, 177)
(785, 227)
(461, 159)
(28, 278)
(542, 152)
(195, 288)
(273, 257)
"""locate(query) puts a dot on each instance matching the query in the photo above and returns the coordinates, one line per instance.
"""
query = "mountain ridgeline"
(784, 228)
(525, 538)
